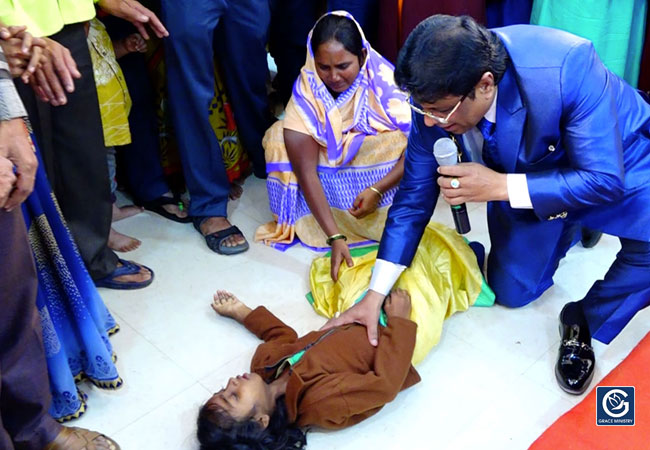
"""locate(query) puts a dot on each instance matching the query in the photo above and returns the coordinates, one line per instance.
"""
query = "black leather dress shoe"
(575, 362)
(590, 238)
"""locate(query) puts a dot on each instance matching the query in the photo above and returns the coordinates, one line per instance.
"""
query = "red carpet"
(577, 428)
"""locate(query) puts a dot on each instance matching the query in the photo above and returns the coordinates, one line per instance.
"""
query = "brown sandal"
(75, 438)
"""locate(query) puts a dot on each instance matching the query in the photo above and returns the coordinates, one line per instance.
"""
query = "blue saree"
(75, 321)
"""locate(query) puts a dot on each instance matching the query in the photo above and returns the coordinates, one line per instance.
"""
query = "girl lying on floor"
(330, 379)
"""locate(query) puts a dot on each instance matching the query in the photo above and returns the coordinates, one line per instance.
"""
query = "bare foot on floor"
(123, 212)
(236, 190)
(227, 305)
(121, 242)
(214, 224)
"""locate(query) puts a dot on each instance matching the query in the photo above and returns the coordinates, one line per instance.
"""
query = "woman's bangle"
(376, 191)
(334, 237)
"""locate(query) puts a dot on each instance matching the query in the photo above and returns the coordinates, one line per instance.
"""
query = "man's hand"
(16, 146)
(477, 183)
(58, 71)
(24, 52)
(366, 313)
(7, 180)
(365, 203)
(398, 304)
(135, 13)
(340, 252)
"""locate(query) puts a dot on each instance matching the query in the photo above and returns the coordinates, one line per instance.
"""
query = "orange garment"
(341, 379)
(577, 428)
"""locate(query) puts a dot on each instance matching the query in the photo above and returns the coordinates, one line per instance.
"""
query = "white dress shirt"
(386, 273)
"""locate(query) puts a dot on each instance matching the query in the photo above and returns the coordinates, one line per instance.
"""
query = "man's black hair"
(447, 55)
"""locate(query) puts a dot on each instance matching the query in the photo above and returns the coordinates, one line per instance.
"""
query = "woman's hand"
(398, 304)
(365, 203)
(340, 252)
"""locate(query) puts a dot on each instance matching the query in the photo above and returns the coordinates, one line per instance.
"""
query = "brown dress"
(341, 379)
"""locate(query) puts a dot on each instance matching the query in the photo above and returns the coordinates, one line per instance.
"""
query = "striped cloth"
(11, 106)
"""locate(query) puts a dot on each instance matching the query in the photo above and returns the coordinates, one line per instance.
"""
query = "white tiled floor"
(489, 383)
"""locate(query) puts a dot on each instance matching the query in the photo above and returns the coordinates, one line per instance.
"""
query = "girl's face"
(337, 67)
(243, 397)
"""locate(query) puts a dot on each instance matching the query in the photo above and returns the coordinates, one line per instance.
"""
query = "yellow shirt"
(45, 17)
(112, 93)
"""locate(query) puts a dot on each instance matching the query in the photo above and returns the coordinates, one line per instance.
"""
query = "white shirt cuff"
(518, 191)
(384, 276)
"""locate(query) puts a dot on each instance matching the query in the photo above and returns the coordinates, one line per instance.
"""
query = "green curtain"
(616, 27)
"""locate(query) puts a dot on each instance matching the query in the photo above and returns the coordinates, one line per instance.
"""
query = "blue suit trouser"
(519, 273)
(237, 33)
(141, 158)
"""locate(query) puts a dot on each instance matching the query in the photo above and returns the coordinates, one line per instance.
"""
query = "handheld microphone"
(446, 154)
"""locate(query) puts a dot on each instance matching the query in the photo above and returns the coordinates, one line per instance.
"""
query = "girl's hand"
(340, 251)
(398, 304)
(365, 203)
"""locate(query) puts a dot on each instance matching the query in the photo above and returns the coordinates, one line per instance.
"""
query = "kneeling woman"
(335, 160)
(330, 379)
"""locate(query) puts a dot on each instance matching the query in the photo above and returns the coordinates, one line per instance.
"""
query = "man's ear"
(263, 420)
(486, 83)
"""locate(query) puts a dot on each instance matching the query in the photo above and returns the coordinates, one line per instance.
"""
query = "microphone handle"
(461, 220)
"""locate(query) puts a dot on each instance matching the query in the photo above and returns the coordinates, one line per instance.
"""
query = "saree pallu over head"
(362, 134)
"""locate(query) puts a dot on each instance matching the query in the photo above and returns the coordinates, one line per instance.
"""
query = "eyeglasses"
(440, 120)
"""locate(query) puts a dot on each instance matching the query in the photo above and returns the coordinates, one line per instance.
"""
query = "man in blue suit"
(557, 142)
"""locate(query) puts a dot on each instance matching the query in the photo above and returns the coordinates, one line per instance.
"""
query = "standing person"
(75, 156)
(237, 32)
(24, 386)
(558, 142)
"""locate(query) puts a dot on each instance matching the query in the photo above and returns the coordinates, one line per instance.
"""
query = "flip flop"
(157, 207)
(127, 268)
(214, 240)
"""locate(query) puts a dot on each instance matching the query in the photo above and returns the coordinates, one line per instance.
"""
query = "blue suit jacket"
(579, 133)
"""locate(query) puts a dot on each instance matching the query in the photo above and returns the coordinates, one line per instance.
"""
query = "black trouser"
(71, 141)
(24, 385)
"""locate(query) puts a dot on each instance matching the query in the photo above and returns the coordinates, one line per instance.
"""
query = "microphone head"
(445, 152)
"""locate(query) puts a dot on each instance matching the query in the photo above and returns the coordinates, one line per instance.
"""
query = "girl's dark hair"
(217, 430)
(446, 55)
(340, 29)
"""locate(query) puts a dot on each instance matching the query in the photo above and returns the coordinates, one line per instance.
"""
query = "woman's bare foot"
(121, 242)
(227, 305)
(236, 190)
(214, 224)
(123, 212)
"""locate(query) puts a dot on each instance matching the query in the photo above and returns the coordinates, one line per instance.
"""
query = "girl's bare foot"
(227, 305)
(121, 242)
(123, 212)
